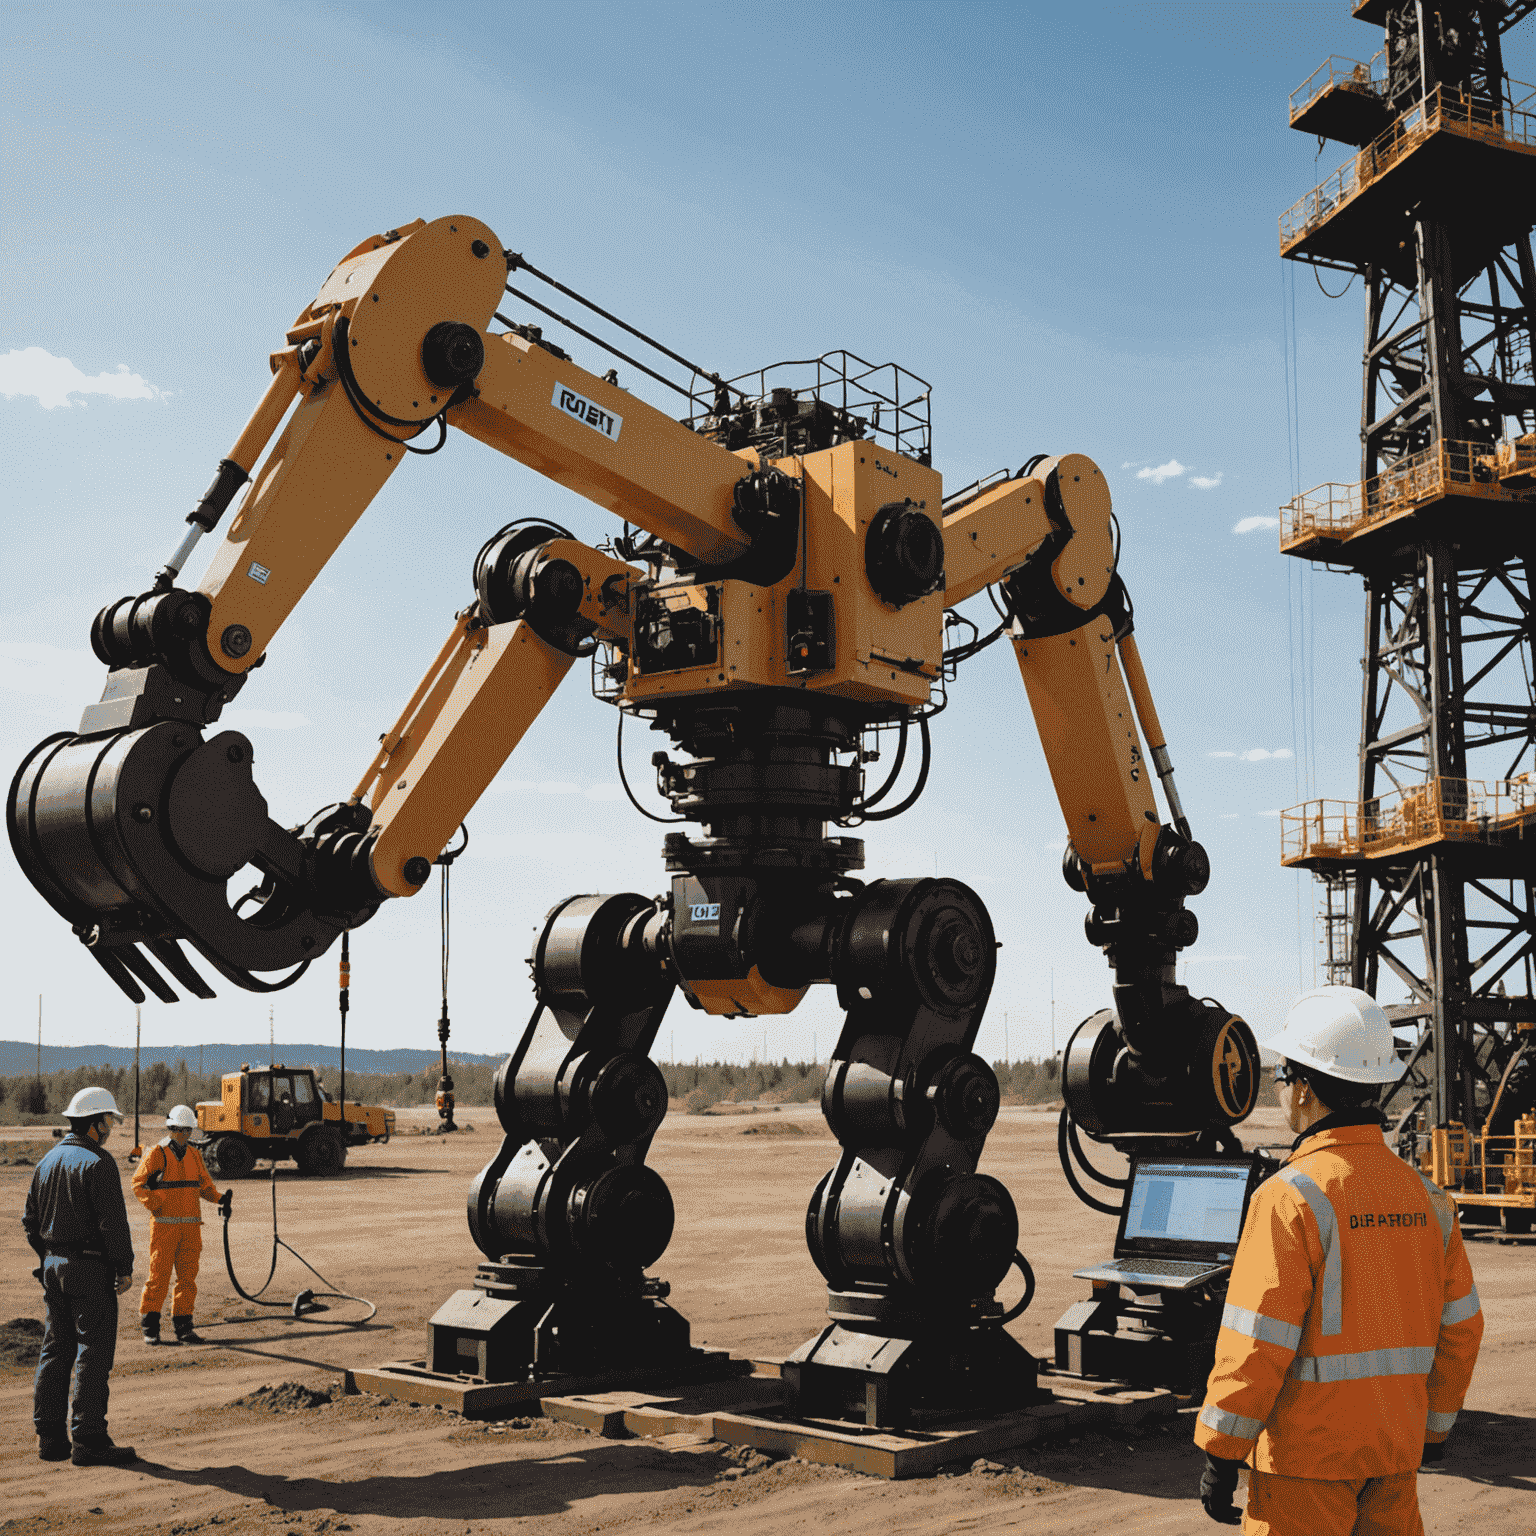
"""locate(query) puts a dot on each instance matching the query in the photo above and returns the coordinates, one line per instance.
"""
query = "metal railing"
(1336, 511)
(1349, 74)
(1499, 1169)
(1495, 811)
(1506, 122)
(882, 401)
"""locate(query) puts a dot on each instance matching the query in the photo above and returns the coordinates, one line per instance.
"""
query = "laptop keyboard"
(1182, 1269)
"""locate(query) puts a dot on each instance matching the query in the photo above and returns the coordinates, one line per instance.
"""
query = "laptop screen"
(1185, 1207)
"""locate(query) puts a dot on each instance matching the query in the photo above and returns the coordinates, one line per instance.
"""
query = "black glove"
(226, 1200)
(1217, 1485)
(1434, 1451)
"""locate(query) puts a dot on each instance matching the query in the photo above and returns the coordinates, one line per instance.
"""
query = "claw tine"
(168, 953)
(139, 964)
(115, 968)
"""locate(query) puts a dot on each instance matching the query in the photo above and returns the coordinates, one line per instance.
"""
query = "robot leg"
(566, 1213)
(912, 1240)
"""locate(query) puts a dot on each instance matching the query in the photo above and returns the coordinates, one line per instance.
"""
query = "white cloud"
(604, 792)
(263, 720)
(1133, 464)
(1211, 959)
(1157, 473)
(50, 380)
(1269, 813)
(1253, 524)
(1256, 754)
(1221, 754)
(1206, 482)
(1230, 816)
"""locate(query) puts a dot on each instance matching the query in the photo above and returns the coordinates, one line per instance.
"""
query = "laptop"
(1180, 1222)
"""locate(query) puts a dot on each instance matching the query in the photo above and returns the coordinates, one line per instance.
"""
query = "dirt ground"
(219, 1455)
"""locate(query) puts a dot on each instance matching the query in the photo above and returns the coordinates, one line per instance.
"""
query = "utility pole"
(271, 1039)
(1007, 1059)
(1053, 1013)
(39, 1037)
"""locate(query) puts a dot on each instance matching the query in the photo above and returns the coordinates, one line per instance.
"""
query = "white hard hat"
(1340, 1031)
(90, 1102)
(181, 1119)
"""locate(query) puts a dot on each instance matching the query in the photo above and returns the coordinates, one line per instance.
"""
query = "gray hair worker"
(77, 1224)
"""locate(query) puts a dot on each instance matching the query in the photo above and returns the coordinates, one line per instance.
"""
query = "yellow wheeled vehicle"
(281, 1112)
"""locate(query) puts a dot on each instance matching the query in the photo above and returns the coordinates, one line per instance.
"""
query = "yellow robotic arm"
(782, 609)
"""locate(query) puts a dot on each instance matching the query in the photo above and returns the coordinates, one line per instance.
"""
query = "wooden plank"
(745, 1410)
(892, 1453)
(410, 1381)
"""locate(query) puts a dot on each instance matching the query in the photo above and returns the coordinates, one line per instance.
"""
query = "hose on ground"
(304, 1302)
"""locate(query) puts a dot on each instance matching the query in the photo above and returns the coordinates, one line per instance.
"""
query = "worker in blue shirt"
(77, 1225)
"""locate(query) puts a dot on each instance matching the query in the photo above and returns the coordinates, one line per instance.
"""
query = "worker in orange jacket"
(1351, 1324)
(170, 1180)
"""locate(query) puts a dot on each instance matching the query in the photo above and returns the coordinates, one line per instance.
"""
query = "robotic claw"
(784, 600)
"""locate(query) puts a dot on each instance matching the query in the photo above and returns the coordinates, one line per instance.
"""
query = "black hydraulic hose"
(917, 789)
(1075, 1184)
(1082, 1161)
(895, 773)
(302, 1304)
(618, 757)
(1021, 1306)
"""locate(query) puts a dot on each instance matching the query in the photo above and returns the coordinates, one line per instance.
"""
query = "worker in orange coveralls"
(1351, 1324)
(170, 1180)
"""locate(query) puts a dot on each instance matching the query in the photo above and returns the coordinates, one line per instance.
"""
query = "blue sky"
(1063, 216)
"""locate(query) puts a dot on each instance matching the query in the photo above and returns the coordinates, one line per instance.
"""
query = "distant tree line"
(28, 1100)
(698, 1085)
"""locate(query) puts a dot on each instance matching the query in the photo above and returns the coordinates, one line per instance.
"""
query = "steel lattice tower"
(1430, 870)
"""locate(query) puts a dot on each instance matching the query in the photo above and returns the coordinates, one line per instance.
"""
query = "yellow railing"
(1350, 74)
(1443, 110)
(1499, 1168)
(1335, 511)
(1439, 810)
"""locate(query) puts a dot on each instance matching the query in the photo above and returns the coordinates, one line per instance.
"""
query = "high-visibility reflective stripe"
(1330, 1294)
(1233, 1424)
(1441, 1423)
(1460, 1310)
(1255, 1325)
(1410, 1360)
(178, 1221)
(1445, 1211)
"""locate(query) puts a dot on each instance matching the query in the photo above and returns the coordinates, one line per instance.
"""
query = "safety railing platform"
(1496, 813)
(1488, 147)
(1320, 522)
(1343, 99)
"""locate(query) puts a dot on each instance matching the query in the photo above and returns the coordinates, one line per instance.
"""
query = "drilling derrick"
(1429, 871)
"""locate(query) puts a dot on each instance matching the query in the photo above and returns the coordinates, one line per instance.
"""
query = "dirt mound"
(774, 1128)
(287, 1397)
(21, 1340)
(24, 1154)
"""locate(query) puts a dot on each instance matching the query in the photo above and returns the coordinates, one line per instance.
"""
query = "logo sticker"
(258, 573)
(705, 912)
(588, 412)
